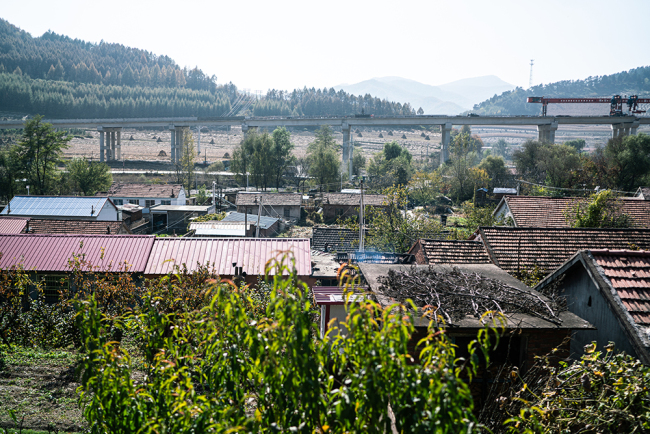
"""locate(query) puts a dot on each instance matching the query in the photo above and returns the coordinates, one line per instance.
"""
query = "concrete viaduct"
(110, 129)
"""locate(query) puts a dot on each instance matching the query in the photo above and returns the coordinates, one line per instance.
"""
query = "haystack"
(359, 135)
(162, 154)
(381, 136)
(226, 155)
(403, 136)
(390, 133)
(159, 140)
(131, 138)
(212, 142)
(427, 138)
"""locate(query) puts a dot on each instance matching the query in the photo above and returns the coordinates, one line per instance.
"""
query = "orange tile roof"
(549, 212)
(629, 274)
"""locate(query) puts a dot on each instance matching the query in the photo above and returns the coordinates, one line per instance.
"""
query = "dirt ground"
(40, 386)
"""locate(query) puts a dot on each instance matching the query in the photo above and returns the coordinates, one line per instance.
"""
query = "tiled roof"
(9, 225)
(629, 274)
(352, 199)
(144, 190)
(52, 252)
(55, 206)
(250, 253)
(515, 249)
(548, 212)
(454, 252)
(271, 199)
(265, 221)
(43, 226)
(336, 239)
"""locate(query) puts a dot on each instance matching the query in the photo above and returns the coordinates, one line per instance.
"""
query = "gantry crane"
(616, 103)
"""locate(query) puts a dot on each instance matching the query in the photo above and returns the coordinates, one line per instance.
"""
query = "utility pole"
(361, 221)
(530, 80)
(259, 213)
(198, 143)
(214, 195)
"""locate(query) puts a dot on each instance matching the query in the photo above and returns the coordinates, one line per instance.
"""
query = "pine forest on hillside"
(633, 82)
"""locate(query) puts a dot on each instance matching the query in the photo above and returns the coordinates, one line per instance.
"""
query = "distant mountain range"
(448, 99)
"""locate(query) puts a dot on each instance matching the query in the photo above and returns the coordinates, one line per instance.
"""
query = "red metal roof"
(250, 253)
(629, 273)
(52, 252)
(10, 225)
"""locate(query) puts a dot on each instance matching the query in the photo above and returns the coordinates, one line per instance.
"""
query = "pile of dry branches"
(455, 294)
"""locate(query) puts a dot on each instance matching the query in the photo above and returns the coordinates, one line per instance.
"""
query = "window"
(118, 201)
(52, 285)
(134, 201)
(149, 203)
(165, 202)
(287, 212)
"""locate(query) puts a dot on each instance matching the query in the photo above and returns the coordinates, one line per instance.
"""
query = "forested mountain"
(60, 77)
(326, 102)
(58, 57)
(633, 82)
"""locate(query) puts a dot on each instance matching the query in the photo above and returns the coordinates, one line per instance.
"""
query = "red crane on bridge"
(616, 103)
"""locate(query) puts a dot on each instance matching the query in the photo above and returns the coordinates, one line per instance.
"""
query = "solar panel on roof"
(55, 206)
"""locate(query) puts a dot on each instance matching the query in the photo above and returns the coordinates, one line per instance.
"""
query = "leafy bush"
(225, 366)
(600, 393)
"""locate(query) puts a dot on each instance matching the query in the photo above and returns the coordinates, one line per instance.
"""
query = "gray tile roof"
(286, 199)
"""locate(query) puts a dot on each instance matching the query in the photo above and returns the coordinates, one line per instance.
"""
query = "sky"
(286, 44)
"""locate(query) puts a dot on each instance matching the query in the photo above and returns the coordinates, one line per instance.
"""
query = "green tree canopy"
(392, 166)
(324, 162)
(496, 169)
(552, 165)
(629, 161)
(38, 153)
(89, 177)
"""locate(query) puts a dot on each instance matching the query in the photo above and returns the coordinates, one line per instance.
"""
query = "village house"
(47, 258)
(343, 205)
(146, 195)
(524, 249)
(176, 217)
(432, 251)
(245, 258)
(279, 205)
(551, 212)
(611, 290)
(63, 208)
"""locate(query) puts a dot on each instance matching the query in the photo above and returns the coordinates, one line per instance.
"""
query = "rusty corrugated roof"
(629, 273)
(220, 253)
(52, 252)
(10, 225)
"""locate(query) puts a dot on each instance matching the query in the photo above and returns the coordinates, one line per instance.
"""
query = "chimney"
(92, 209)
(108, 230)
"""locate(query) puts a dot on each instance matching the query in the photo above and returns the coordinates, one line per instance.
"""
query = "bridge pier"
(101, 144)
(626, 129)
(445, 130)
(546, 133)
(347, 151)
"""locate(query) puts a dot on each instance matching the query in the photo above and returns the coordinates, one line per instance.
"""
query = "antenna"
(530, 80)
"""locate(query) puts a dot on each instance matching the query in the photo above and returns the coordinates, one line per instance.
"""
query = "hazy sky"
(280, 44)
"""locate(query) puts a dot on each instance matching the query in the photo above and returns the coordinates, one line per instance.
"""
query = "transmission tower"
(530, 80)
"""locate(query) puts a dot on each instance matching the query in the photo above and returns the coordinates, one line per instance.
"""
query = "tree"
(577, 144)
(553, 165)
(38, 153)
(323, 159)
(281, 156)
(393, 229)
(501, 148)
(185, 167)
(89, 177)
(601, 211)
(495, 167)
(460, 161)
(392, 166)
(629, 161)
(358, 162)
(425, 187)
